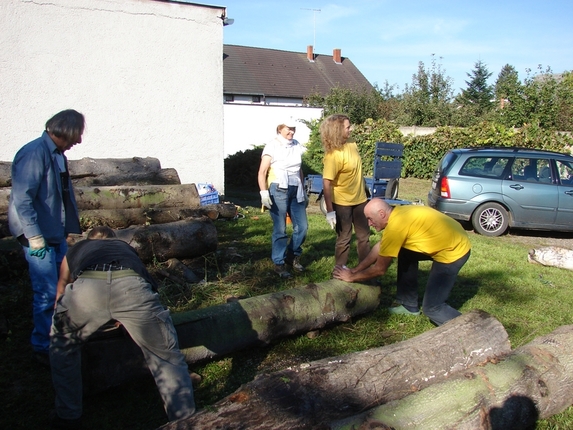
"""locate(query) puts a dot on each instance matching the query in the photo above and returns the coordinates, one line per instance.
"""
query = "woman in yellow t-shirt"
(344, 190)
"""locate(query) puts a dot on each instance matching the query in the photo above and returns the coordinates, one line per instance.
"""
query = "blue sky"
(386, 39)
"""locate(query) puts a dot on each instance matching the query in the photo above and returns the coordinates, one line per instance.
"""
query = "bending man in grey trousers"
(103, 280)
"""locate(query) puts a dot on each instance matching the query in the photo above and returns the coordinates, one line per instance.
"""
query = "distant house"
(263, 86)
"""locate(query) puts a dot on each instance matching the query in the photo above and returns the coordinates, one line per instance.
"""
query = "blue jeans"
(44, 274)
(86, 305)
(440, 283)
(284, 202)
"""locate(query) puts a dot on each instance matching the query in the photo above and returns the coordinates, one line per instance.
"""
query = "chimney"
(309, 53)
(337, 56)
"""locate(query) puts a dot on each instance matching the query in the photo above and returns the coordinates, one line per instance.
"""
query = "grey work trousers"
(89, 303)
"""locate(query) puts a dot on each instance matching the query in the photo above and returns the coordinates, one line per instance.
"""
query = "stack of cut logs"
(156, 214)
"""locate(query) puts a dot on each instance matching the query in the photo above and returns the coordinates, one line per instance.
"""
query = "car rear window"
(447, 161)
(486, 167)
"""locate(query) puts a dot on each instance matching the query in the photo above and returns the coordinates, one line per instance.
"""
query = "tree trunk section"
(104, 170)
(161, 177)
(311, 395)
(147, 196)
(189, 238)
(112, 166)
(218, 330)
(127, 197)
(534, 381)
(122, 218)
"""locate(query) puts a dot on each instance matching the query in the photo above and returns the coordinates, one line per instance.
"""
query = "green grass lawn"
(529, 301)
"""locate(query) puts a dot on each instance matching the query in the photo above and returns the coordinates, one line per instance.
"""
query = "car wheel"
(490, 219)
(322, 204)
(392, 189)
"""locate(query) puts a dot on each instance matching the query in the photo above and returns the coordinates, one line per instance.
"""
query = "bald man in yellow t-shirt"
(413, 234)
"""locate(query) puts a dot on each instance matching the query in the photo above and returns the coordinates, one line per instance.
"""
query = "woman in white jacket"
(282, 191)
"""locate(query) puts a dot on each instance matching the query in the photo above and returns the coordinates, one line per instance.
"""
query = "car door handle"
(517, 187)
(569, 193)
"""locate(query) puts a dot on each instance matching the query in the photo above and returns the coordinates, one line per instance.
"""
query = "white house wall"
(147, 75)
(247, 126)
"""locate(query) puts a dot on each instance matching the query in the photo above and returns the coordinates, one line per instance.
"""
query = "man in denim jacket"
(42, 212)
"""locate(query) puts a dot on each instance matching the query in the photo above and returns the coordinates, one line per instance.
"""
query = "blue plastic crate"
(209, 198)
(208, 195)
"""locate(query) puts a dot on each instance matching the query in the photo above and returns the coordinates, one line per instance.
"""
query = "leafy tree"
(508, 94)
(427, 101)
(359, 104)
(564, 120)
(539, 101)
(478, 93)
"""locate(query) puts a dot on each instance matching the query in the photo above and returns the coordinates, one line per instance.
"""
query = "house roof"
(274, 73)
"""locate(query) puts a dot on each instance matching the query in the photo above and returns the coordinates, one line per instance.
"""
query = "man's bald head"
(377, 211)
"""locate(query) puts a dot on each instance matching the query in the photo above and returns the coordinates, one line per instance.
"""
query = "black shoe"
(43, 359)
(294, 262)
(59, 423)
(282, 271)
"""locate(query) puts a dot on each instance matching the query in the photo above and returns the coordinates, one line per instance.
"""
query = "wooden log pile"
(461, 375)
(147, 206)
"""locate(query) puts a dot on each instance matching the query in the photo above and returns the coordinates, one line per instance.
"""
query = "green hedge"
(421, 153)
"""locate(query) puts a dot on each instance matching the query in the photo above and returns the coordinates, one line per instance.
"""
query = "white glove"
(37, 246)
(266, 198)
(37, 242)
(331, 219)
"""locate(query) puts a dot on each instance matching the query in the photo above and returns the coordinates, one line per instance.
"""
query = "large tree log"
(108, 171)
(121, 218)
(219, 330)
(162, 177)
(534, 381)
(160, 196)
(126, 197)
(112, 166)
(552, 256)
(310, 395)
(189, 238)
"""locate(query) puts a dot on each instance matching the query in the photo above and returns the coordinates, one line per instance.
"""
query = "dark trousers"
(440, 283)
(346, 218)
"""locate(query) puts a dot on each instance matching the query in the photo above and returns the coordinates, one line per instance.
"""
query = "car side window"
(565, 170)
(532, 170)
(486, 167)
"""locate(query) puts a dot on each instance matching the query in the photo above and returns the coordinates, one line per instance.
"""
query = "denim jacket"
(36, 198)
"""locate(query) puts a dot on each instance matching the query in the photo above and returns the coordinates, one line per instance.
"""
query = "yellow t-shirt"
(344, 168)
(425, 230)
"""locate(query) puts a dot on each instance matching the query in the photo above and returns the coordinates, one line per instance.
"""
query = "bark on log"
(534, 381)
(4, 200)
(99, 168)
(5, 173)
(126, 197)
(189, 238)
(112, 166)
(310, 395)
(160, 196)
(161, 177)
(552, 256)
(122, 218)
(219, 330)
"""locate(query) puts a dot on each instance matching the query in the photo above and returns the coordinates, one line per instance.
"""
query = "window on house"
(229, 98)
(256, 99)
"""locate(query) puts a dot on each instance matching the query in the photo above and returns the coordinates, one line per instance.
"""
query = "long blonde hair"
(331, 132)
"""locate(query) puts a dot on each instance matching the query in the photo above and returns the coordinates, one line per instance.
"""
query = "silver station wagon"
(497, 188)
